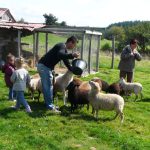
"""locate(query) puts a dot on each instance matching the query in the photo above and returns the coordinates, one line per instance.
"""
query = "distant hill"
(126, 23)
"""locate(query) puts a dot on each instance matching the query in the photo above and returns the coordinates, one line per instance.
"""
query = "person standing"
(47, 64)
(20, 78)
(8, 70)
(127, 60)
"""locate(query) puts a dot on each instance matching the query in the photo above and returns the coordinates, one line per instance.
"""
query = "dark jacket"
(8, 69)
(127, 60)
(56, 54)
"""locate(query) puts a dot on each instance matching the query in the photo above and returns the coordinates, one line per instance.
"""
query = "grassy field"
(52, 40)
(43, 130)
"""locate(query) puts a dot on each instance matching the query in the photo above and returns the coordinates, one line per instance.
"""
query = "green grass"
(43, 130)
(52, 40)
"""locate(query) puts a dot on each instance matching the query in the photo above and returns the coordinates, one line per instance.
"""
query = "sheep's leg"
(141, 95)
(136, 97)
(38, 98)
(64, 97)
(93, 110)
(122, 116)
(117, 113)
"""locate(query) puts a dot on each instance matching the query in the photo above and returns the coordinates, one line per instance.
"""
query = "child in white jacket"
(20, 78)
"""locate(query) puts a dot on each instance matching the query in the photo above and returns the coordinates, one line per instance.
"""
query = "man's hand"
(76, 54)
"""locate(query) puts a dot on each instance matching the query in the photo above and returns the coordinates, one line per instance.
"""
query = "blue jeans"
(21, 100)
(12, 94)
(47, 84)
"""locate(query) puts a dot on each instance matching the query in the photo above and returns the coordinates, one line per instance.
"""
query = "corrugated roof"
(21, 26)
(2, 11)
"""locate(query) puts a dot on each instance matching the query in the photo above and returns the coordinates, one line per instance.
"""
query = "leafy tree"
(141, 32)
(50, 19)
(118, 32)
(63, 23)
(21, 21)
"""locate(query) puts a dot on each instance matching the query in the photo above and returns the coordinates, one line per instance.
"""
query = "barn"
(11, 33)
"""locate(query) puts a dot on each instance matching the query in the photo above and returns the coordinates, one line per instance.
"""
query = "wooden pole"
(19, 43)
(98, 50)
(34, 51)
(46, 42)
(82, 46)
(37, 46)
(113, 52)
(89, 56)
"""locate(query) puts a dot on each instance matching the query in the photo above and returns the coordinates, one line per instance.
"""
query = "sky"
(96, 13)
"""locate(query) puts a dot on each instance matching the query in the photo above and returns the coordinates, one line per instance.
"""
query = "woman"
(127, 61)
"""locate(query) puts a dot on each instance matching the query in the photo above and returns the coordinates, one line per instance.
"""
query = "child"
(20, 78)
(8, 69)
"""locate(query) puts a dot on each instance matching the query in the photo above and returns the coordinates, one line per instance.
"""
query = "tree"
(21, 20)
(118, 32)
(141, 32)
(63, 23)
(50, 19)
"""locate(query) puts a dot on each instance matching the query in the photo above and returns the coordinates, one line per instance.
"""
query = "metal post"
(98, 50)
(82, 46)
(46, 42)
(34, 51)
(113, 52)
(19, 43)
(89, 56)
(37, 46)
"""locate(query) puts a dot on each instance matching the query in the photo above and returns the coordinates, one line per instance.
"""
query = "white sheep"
(131, 87)
(105, 101)
(34, 85)
(61, 83)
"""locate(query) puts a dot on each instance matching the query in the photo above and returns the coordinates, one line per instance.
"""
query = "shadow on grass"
(80, 115)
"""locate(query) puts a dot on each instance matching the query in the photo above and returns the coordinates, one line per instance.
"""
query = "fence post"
(19, 43)
(98, 49)
(37, 46)
(46, 42)
(82, 47)
(89, 56)
(34, 55)
(113, 52)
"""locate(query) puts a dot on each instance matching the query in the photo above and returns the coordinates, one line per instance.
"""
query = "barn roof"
(21, 26)
(6, 10)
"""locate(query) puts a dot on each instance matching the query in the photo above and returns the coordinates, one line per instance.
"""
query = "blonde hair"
(19, 62)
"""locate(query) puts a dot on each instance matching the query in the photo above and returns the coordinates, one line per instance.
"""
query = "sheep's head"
(122, 81)
(94, 86)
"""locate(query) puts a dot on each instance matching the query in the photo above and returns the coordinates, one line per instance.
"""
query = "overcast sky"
(98, 13)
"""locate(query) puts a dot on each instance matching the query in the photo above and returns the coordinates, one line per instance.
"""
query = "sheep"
(105, 101)
(34, 85)
(114, 88)
(136, 88)
(78, 93)
(103, 84)
(61, 83)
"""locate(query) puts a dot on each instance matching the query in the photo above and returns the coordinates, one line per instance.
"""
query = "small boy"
(20, 78)
(8, 70)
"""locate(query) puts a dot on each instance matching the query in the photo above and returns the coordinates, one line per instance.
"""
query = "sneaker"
(54, 110)
(28, 110)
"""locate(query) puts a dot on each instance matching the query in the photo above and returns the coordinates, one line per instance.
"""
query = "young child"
(8, 69)
(20, 78)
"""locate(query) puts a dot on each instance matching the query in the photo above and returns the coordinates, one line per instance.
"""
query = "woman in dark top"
(47, 64)
(127, 61)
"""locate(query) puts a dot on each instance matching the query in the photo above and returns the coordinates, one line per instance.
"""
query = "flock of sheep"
(97, 93)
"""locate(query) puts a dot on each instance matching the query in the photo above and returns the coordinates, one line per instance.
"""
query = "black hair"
(72, 39)
(133, 41)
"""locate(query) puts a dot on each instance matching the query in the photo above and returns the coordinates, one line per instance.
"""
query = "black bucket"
(79, 66)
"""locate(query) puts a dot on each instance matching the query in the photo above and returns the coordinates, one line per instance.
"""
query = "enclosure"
(89, 44)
